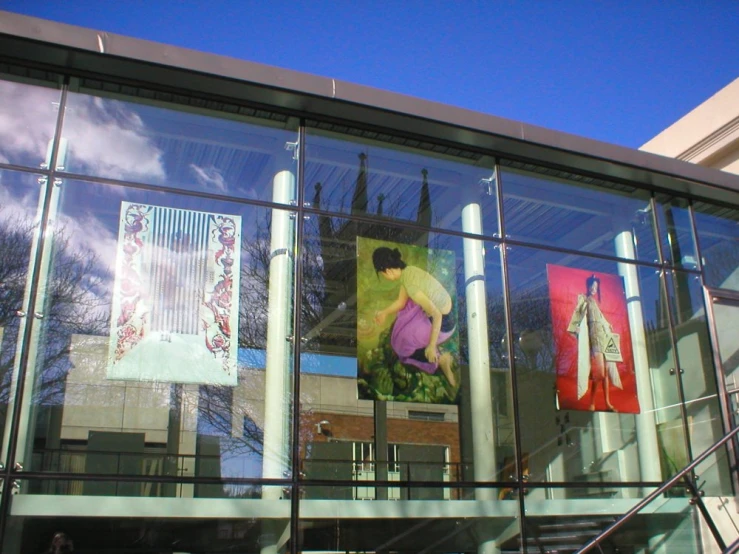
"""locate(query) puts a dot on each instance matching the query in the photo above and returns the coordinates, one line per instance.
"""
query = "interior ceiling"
(243, 167)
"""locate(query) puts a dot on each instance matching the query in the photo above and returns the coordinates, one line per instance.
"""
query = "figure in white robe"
(593, 334)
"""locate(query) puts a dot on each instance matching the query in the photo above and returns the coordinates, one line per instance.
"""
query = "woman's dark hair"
(384, 258)
(589, 283)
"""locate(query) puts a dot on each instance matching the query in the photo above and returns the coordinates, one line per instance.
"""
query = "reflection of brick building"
(338, 438)
(335, 427)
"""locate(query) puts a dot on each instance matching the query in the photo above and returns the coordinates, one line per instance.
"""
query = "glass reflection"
(20, 210)
(150, 357)
(554, 212)
(150, 524)
(698, 376)
(28, 115)
(678, 241)
(567, 433)
(368, 413)
(668, 524)
(719, 243)
(147, 144)
(428, 526)
(347, 175)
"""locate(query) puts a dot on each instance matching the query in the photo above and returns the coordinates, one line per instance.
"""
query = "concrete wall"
(707, 136)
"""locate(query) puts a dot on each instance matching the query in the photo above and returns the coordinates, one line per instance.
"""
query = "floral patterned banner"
(175, 299)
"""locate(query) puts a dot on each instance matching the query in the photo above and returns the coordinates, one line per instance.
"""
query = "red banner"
(592, 341)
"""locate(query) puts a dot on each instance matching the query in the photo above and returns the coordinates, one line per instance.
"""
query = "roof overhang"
(82, 51)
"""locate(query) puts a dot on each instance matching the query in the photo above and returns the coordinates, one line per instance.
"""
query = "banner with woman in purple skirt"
(407, 330)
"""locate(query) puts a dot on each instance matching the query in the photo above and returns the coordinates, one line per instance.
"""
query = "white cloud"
(111, 140)
(27, 118)
(22, 206)
(87, 235)
(209, 177)
(105, 137)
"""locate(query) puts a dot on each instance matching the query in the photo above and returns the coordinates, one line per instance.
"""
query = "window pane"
(20, 197)
(374, 406)
(439, 526)
(242, 520)
(718, 236)
(585, 417)
(28, 115)
(147, 144)
(150, 357)
(669, 523)
(615, 221)
(678, 241)
(698, 377)
(368, 177)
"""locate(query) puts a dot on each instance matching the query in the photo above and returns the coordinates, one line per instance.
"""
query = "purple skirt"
(411, 333)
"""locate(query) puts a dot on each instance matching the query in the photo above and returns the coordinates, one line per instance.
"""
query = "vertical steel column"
(297, 295)
(673, 337)
(381, 464)
(658, 539)
(483, 433)
(276, 453)
(646, 428)
(511, 353)
(481, 400)
(13, 423)
(48, 205)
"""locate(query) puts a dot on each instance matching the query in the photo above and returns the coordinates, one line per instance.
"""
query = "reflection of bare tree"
(533, 343)
(253, 296)
(75, 302)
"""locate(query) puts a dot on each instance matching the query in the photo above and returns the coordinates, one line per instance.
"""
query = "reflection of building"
(289, 459)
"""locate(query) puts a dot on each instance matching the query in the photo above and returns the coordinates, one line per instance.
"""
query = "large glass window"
(604, 218)
(138, 142)
(430, 526)
(374, 404)
(150, 306)
(594, 367)
(718, 236)
(668, 524)
(698, 376)
(242, 521)
(676, 227)
(28, 115)
(148, 357)
(367, 177)
(21, 196)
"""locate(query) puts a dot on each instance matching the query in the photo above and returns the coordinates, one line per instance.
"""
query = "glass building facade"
(229, 326)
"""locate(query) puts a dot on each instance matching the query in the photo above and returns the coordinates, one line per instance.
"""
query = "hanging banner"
(592, 341)
(407, 331)
(175, 298)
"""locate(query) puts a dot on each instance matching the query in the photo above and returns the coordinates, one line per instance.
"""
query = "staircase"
(562, 535)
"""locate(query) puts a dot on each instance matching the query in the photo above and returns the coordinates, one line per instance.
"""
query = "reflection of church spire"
(359, 199)
(683, 302)
(424, 204)
(324, 222)
(380, 200)
(424, 210)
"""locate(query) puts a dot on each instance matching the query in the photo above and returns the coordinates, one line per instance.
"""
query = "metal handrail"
(648, 499)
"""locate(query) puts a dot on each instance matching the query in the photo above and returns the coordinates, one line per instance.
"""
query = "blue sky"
(617, 71)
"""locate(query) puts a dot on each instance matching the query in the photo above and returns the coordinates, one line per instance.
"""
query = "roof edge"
(68, 47)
